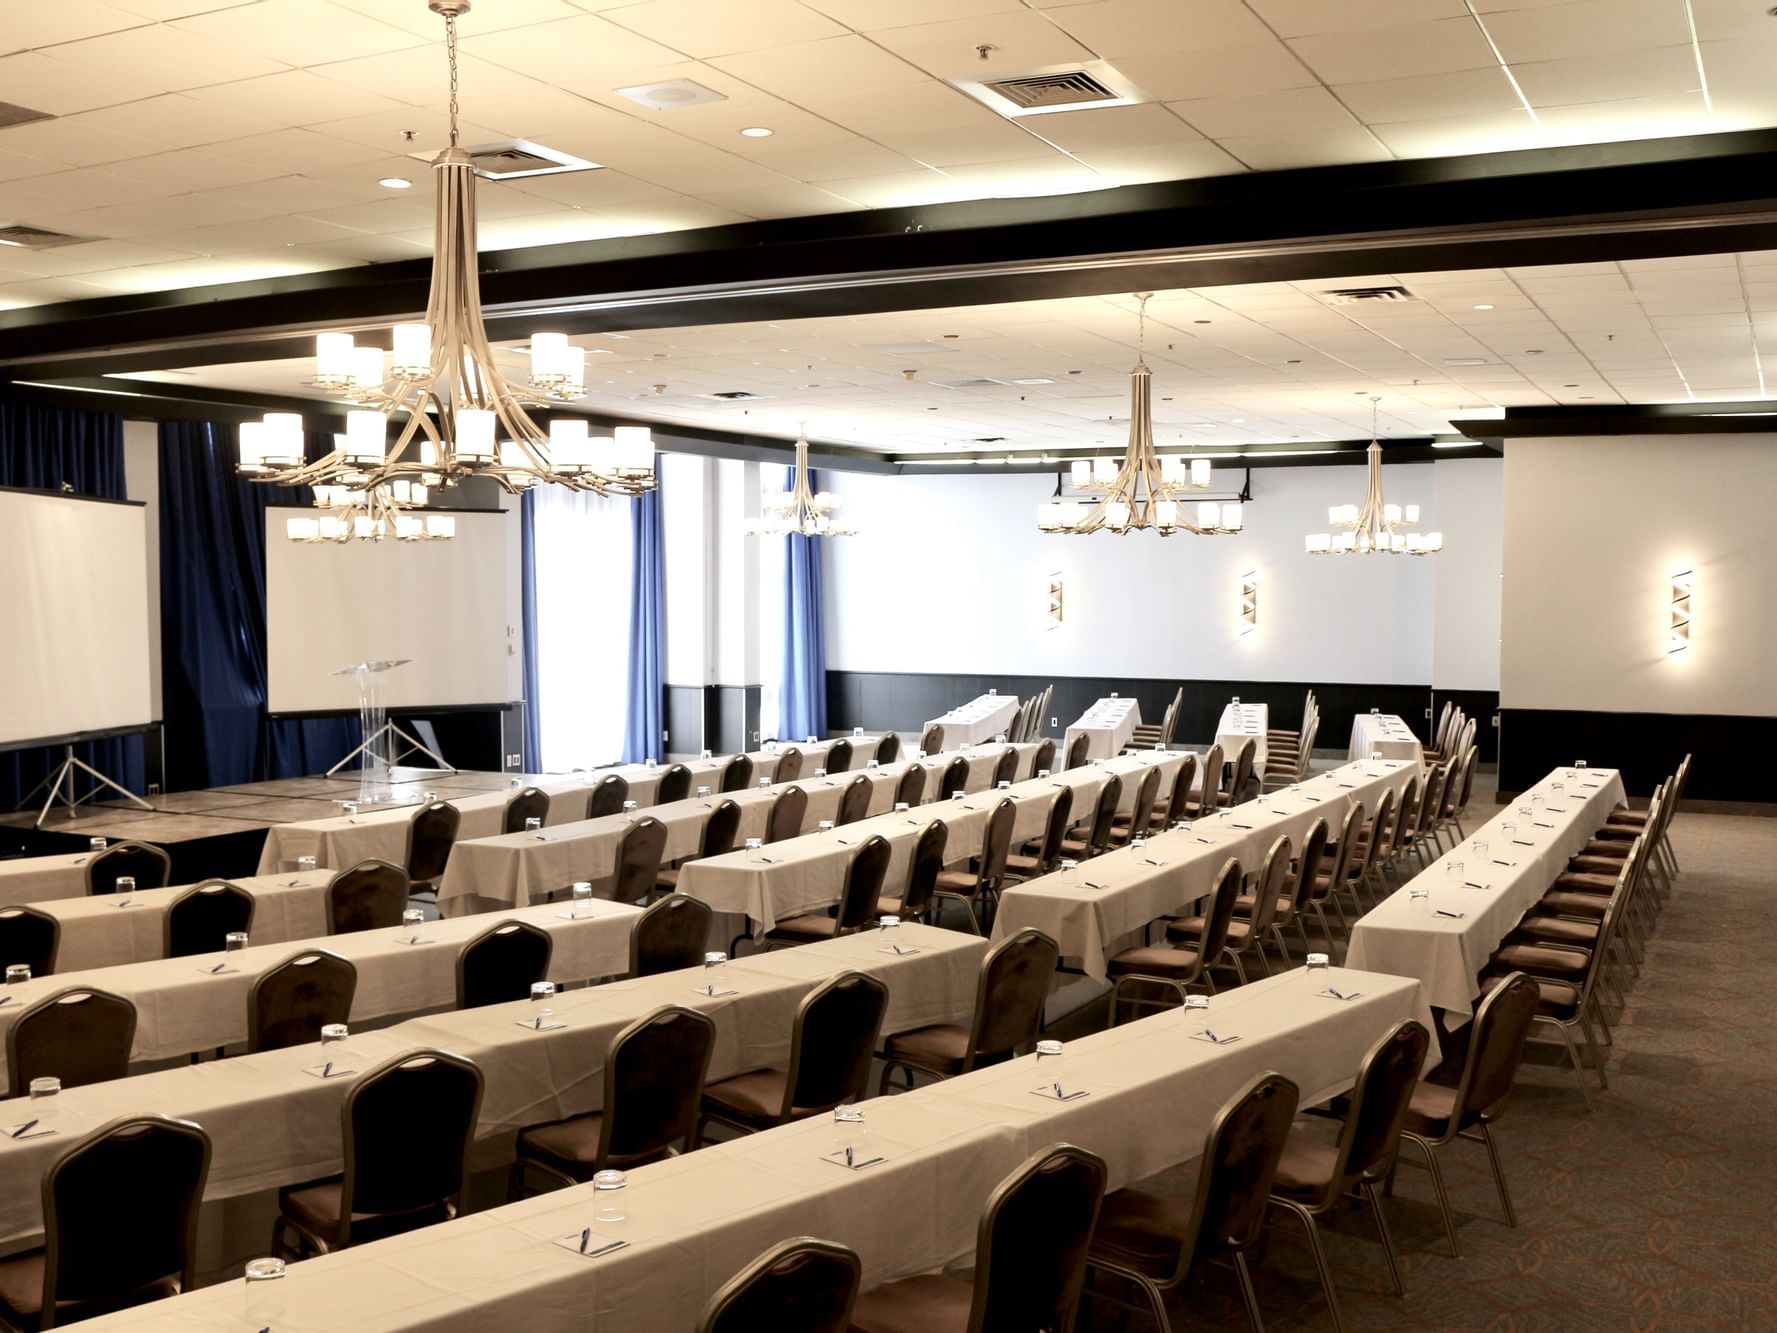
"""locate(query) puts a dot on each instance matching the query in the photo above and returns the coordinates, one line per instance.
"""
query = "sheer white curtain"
(584, 556)
(772, 477)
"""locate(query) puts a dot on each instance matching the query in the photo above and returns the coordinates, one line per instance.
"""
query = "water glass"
(764, 783)
(1508, 830)
(1317, 972)
(1480, 845)
(848, 1128)
(1524, 811)
(304, 864)
(919, 754)
(351, 809)
(874, 763)
(753, 848)
(429, 797)
(629, 807)
(412, 919)
(607, 1193)
(820, 772)
(541, 993)
(890, 922)
(1042, 772)
(707, 754)
(1375, 752)
(332, 1034)
(715, 971)
(126, 885)
(703, 791)
(533, 824)
(97, 844)
(266, 1296)
(825, 826)
(1557, 790)
(17, 972)
(1049, 1062)
(811, 741)
(1068, 863)
(900, 807)
(1002, 784)
(582, 903)
(1237, 701)
(1453, 871)
(1375, 712)
(234, 941)
(857, 731)
(1419, 901)
(958, 795)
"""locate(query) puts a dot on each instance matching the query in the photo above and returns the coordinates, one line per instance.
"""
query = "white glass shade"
(1391, 513)
(303, 529)
(1347, 541)
(1412, 513)
(1166, 513)
(570, 446)
(408, 527)
(475, 435)
(367, 367)
(413, 350)
(366, 437)
(281, 441)
(1207, 514)
(632, 451)
(1319, 543)
(1434, 541)
(1174, 471)
(252, 446)
(549, 357)
(1116, 514)
(1104, 470)
(1233, 517)
(1200, 471)
(333, 358)
(441, 525)
(364, 526)
(1080, 473)
(333, 528)
(1415, 544)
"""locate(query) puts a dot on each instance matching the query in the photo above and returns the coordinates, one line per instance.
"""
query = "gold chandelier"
(462, 417)
(800, 511)
(1144, 490)
(1374, 527)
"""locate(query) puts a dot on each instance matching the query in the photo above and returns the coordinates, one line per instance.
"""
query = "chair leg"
(1320, 1260)
(1437, 1188)
(1573, 1054)
(1248, 1293)
(1282, 946)
(1592, 1046)
(1394, 1265)
(1499, 1175)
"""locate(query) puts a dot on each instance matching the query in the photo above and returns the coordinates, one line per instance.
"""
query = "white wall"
(949, 574)
(1593, 529)
(1465, 615)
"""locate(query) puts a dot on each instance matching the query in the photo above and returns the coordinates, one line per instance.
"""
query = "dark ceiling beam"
(1641, 199)
(1737, 418)
(1321, 453)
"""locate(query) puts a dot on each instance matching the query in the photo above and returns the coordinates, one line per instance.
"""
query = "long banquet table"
(1386, 734)
(1239, 724)
(1447, 953)
(1152, 1090)
(981, 719)
(1108, 726)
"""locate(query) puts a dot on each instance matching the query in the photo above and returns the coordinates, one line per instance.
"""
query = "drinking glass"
(412, 920)
(126, 885)
(1557, 790)
(825, 826)
(958, 795)
(533, 824)
(17, 972)
(715, 971)
(266, 1296)
(1508, 830)
(234, 941)
(1317, 972)
(607, 1193)
(351, 809)
(753, 848)
(1042, 772)
(1049, 1063)
(1453, 871)
(582, 898)
(848, 1128)
(45, 1101)
(1480, 846)
(703, 791)
(1002, 785)
(304, 864)
(1419, 901)
(541, 993)
(820, 772)
(629, 807)
(96, 844)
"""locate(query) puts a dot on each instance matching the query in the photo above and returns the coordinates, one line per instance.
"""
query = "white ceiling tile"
(1278, 152)
(868, 15)
(927, 105)
(589, 189)
(45, 84)
(1026, 178)
(1658, 72)
(148, 216)
(1228, 71)
(381, 215)
(1118, 28)
(229, 238)
(898, 189)
(987, 140)
(166, 58)
(300, 32)
(293, 98)
(481, 18)
(1461, 135)
(1588, 27)
(841, 161)
(784, 201)
(1471, 92)
(293, 151)
(1021, 41)
(1308, 109)
(1304, 18)
(15, 166)
(1112, 128)
(185, 169)
(34, 25)
(1634, 118)
(833, 68)
(74, 143)
(705, 28)
(1441, 46)
(176, 120)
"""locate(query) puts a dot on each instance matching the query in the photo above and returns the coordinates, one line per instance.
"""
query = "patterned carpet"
(1659, 1211)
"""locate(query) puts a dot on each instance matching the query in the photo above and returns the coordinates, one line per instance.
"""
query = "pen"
(327, 1069)
(1212, 1036)
(585, 1236)
(22, 1129)
(1057, 1087)
(848, 1160)
(1334, 992)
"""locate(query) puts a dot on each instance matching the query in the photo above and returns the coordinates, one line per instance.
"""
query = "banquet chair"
(670, 935)
(87, 1266)
(1156, 1241)
(1159, 734)
(911, 786)
(1634, 821)
(1010, 991)
(1285, 734)
(1406, 811)
(788, 809)
(150, 866)
(370, 896)
(1204, 803)
(1416, 832)
(654, 1072)
(1313, 1177)
(292, 1002)
(430, 834)
(1077, 749)
(737, 774)
(931, 740)
(30, 937)
(1172, 809)
(854, 801)
(857, 900)
(1334, 868)
(955, 778)
(1235, 792)
(201, 919)
(674, 785)
(407, 1126)
(888, 748)
(831, 1044)
(608, 796)
(1042, 759)
(502, 964)
(1092, 837)
(1028, 864)
(800, 1285)
(977, 888)
(1177, 966)
(1253, 911)
(639, 853)
(839, 756)
(719, 832)
(531, 803)
(80, 1035)
(789, 765)
(1289, 762)
(1372, 840)
(923, 869)
(1439, 1113)
(1141, 816)
(1030, 1258)
(1292, 904)
(1006, 770)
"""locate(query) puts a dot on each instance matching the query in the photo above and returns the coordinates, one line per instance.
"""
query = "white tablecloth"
(1386, 733)
(1447, 953)
(1240, 723)
(36, 879)
(1109, 724)
(981, 719)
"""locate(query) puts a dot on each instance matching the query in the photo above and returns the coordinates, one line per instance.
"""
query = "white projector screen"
(73, 616)
(443, 604)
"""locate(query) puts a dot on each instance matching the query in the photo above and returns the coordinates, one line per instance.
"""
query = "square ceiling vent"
(1080, 86)
(670, 94)
(509, 159)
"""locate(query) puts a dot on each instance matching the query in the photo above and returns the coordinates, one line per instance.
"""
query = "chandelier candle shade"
(1143, 490)
(800, 511)
(1374, 527)
(455, 413)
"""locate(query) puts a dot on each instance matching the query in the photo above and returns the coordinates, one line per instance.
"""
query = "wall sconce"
(1054, 620)
(1249, 602)
(1678, 631)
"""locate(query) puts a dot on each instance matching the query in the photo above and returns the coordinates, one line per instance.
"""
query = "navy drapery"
(43, 448)
(212, 562)
(803, 696)
(644, 720)
(533, 718)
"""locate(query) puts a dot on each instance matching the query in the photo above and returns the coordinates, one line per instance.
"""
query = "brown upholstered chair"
(854, 801)
(789, 765)
(830, 1050)
(1077, 750)
(788, 809)
(977, 887)
(857, 900)
(150, 866)
(201, 919)
(430, 834)
(1172, 809)
(1157, 1240)
(80, 1035)
(370, 896)
(955, 778)
(911, 786)
(1178, 966)
(923, 869)
(1243, 772)
(1030, 1258)
(931, 740)
(888, 748)
(1333, 870)
(1006, 768)
(1028, 864)
(1042, 759)
(1293, 903)
(503, 963)
(1205, 801)
(530, 803)
(675, 785)
(147, 1169)
(1094, 836)
(1246, 932)
(654, 1074)
(30, 937)
(670, 935)
(1313, 1177)
(800, 1285)
(608, 796)
(719, 833)
(838, 756)
(639, 853)
(737, 774)
(407, 1126)
(1010, 991)
(291, 1003)
(1141, 812)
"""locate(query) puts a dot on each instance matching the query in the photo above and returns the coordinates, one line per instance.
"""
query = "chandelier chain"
(450, 46)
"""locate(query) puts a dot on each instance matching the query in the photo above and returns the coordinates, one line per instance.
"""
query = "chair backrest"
(1220, 914)
(1181, 791)
(996, 843)
(201, 919)
(639, 853)
(150, 866)
(1006, 770)
(1240, 1157)
(832, 1041)
(838, 756)
(1030, 1248)
(369, 896)
(1271, 883)
(608, 796)
(1212, 778)
(1061, 814)
(931, 740)
(912, 786)
(1243, 771)
(737, 774)
(503, 963)
(788, 809)
(720, 829)
(79, 1035)
(1043, 757)
(30, 937)
(654, 1076)
(670, 935)
(854, 801)
(1453, 779)
(408, 1124)
(1404, 814)
(1371, 852)
(888, 748)
(863, 885)
(1443, 720)
(789, 765)
(675, 785)
(530, 803)
(955, 778)
(158, 1166)
(924, 867)
(1076, 750)
(1340, 870)
(1147, 795)
(1010, 993)
(1110, 796)
(290, 1004)
(1495, 1049)
(1470, 757)
(1431, 796)
(430, 834)
(1314, 845)
(800, 1285)
(1385, 1083)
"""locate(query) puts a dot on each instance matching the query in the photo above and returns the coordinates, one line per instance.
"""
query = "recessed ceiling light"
(395, 183)
(1034, 379)
(757, 132)
(1483, 307)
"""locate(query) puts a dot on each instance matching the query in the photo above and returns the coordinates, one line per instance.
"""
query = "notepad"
(858, 1161)
(328, 1070)
(587, 1245)
(1214, 1039)
(897, 951)
(1330, 994)
(1055, 1094)
(716, 992)
(547, 1025)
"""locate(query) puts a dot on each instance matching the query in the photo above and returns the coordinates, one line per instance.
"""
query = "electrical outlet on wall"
(1055, 722)
(514, 762)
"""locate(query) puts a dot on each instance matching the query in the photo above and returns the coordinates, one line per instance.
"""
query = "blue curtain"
(803, 693)
(213, 667)
(533, 718)
(645, 720)
(41, 448)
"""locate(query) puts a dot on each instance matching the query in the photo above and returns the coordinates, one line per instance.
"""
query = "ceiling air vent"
(509, 159)
(967, 384)
(36, 238)
(20, 115)
(1035, 92)
(1357, 295)
(733, 395)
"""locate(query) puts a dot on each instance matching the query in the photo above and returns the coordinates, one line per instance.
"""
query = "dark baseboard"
(1730, 754)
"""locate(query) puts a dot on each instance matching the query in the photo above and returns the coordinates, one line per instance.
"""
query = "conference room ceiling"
(1261, 362)
(197, 141)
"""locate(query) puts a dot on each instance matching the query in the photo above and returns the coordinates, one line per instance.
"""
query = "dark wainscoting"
(1730, 754)
(723, 718)
(905, 701)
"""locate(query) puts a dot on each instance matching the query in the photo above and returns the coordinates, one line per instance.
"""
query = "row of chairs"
(1157, 736)
(1289, 755)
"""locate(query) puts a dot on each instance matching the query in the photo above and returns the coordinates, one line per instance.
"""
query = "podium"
(377, 752)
